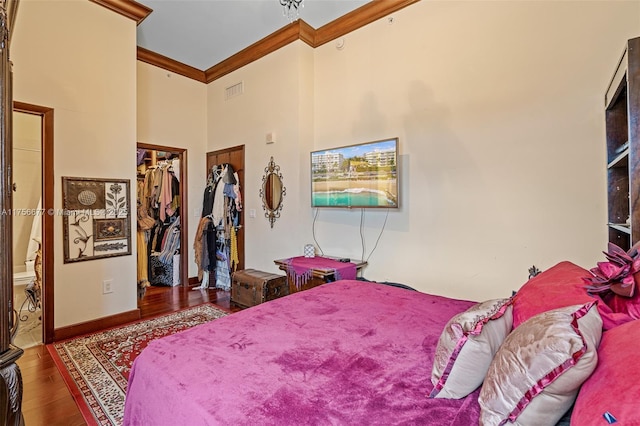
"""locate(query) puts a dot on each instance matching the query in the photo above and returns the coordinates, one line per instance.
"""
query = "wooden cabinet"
(319, 274)
(250, 287)
(622, 123)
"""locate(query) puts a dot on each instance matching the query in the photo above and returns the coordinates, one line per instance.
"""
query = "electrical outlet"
(107, 286)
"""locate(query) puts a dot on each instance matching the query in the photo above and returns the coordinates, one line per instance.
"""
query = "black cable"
(313, 230)
(361, 232)
(381, 231)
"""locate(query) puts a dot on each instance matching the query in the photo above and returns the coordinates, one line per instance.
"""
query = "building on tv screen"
(356, 176)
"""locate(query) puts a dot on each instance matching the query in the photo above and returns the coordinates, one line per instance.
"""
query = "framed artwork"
(96, 218)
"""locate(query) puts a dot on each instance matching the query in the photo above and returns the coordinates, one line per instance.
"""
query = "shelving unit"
(622, 122)
(151, 159)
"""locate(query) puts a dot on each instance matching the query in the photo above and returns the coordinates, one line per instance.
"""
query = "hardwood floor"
(46, 399)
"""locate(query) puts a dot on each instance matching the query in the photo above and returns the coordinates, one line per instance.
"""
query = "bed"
(348, 352)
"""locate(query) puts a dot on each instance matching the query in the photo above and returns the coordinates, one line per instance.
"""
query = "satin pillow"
(466, 347)
(535, 375)
(613, 387)
(559, 286)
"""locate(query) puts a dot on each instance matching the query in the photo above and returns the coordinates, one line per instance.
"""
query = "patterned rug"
(96, 366)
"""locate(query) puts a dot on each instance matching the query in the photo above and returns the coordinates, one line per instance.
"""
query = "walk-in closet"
(160, 223)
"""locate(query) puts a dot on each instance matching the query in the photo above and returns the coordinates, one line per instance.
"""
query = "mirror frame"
(272, 212)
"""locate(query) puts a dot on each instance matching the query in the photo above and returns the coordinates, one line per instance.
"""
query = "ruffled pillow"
(615, 281)
(467, 346)
(537, 372)
(613, 388)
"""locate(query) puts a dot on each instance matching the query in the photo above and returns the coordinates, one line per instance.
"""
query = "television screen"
(356, 176)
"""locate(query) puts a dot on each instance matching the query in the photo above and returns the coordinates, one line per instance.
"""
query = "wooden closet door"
(10, 376)
(235, 157)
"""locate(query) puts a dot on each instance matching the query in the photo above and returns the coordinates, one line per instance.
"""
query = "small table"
(320, 274)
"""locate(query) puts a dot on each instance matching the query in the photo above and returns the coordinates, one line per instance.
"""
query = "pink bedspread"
(347, 353)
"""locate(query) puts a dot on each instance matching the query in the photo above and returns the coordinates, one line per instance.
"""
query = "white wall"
(172, 111)
(79, 58)
(277, 98)
(498, 107)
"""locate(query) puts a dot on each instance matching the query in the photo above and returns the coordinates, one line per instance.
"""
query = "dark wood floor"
(46, 399)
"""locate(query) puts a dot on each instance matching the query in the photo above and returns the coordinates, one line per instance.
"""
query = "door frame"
(48, 252)
(184, 208)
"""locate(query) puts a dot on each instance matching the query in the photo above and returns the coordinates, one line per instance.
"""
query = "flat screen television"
(363, 175)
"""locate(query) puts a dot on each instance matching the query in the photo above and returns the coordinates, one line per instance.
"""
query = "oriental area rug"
(96, 366)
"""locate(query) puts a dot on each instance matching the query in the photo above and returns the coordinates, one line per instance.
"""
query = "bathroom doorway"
(32, 224)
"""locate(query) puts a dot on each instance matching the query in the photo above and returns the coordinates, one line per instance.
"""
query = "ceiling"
(203, 33)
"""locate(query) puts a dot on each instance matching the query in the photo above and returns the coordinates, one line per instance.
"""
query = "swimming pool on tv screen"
(347, 199)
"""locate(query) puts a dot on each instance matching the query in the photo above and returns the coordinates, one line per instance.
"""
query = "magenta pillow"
(466, 347)
(614, 386)
(629, 306)
(617, 310)
(559, 286)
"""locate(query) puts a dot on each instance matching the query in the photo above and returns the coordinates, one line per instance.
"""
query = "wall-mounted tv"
(356, 176)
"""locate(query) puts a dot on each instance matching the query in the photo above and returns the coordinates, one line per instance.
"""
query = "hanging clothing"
(170, 243)
(207, 202)
(158, 214)
(200, 246)
(143, 264)
(165, 198)
(236, 189)
(175, 166)
(216, 238)
(217, 210)
(175, 192)
(233, 250)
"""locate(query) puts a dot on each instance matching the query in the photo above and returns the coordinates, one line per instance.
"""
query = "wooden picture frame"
(96, 218)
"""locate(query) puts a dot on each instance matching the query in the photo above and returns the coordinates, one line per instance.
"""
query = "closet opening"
(220, 236)
(161, 235)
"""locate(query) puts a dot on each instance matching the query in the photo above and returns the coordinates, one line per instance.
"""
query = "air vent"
(234, 90)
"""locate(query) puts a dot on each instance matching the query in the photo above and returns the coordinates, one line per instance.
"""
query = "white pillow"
(537, 372)
(467, 346)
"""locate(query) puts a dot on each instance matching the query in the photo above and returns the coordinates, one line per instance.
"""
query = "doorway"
(39, 219)
(233, 156)
(162, 258)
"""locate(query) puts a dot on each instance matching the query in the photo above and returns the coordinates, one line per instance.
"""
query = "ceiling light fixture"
(291, 8)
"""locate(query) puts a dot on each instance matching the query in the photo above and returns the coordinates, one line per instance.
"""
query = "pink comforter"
(344, 353)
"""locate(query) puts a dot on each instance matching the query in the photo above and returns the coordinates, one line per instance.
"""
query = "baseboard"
(92, 326)
(194, 280)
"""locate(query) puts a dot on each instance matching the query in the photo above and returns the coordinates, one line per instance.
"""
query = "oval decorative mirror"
(272, 191)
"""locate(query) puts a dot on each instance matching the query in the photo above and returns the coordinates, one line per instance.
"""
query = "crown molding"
(298, 30)
(129, 8)
(261, 48)
(307, 33)
(156, 59)
(358, 18)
